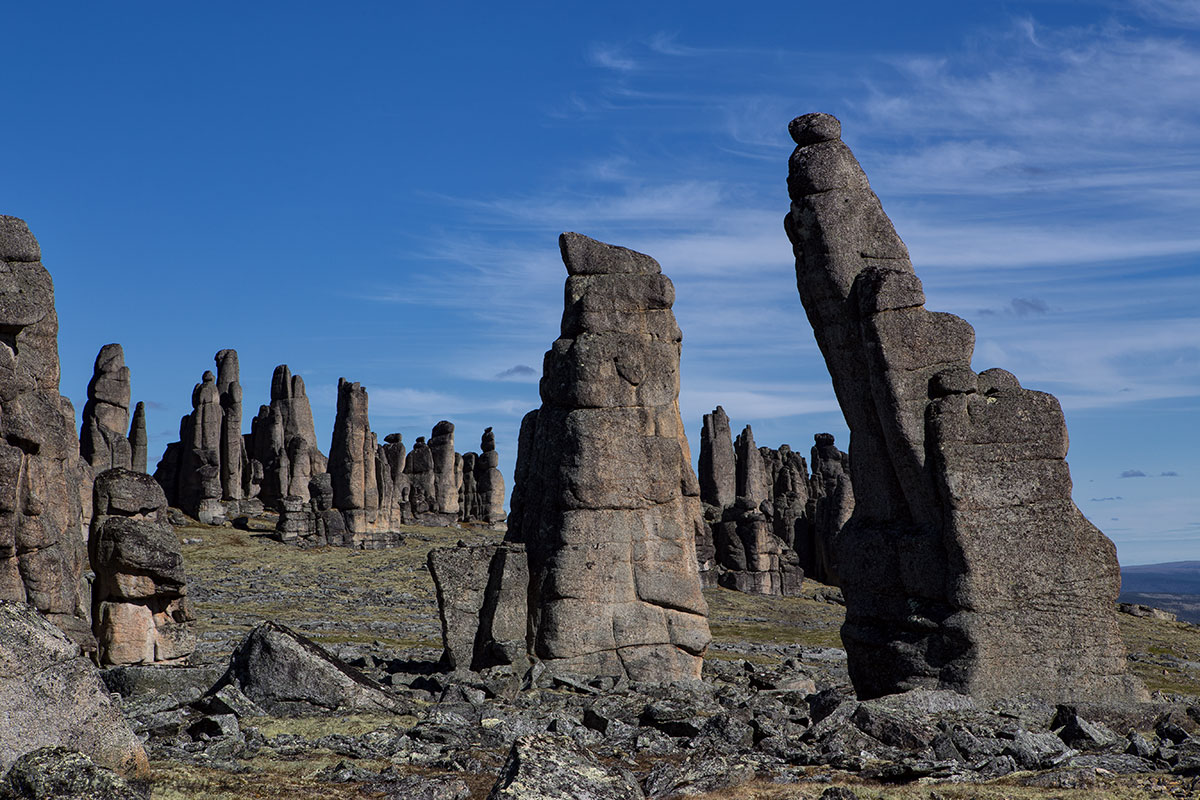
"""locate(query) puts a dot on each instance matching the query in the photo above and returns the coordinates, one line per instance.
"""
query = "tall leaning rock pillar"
(965, 564)
(611, 505)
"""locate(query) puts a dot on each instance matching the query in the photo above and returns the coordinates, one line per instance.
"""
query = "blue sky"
(374, 191)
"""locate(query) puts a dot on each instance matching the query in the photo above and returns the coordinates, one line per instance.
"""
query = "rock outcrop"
(102, 442)
(52, 696)
(610, 506)
(482, 604)
(42, 551)
(965, 564)
(233, 450)
(140, 610)
(754, 501)
(283, 442)
(482, 493)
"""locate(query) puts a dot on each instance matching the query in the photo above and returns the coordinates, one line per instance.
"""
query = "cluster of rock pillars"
(953, 477)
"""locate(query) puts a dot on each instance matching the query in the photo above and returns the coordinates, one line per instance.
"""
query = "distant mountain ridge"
(1173, 586)
(1174, 577)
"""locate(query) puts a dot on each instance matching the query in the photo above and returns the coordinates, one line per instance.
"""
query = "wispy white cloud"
(612, 57)
(1185, 13)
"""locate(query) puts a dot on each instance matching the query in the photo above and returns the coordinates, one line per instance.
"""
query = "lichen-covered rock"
(51, 696)
(610, 506)
(549, 767)
(58, 773)
(42, 550)
(140, 608)
(965, 564)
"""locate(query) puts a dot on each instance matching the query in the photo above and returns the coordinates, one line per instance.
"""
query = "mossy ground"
(383, 601)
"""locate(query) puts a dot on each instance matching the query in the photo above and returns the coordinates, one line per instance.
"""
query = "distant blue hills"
(1174, 577)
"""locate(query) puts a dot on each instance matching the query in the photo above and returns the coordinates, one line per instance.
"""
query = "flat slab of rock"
(51, 696)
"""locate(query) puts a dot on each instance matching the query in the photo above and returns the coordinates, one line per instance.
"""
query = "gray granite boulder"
(965, 564)
(289, 675)
(481, 594)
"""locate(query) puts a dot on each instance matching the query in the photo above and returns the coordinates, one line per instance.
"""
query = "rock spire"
(102, 442)
(610, 505)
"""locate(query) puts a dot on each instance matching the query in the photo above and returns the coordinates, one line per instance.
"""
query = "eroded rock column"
(611, 506)
(140, 609)
(965, 564)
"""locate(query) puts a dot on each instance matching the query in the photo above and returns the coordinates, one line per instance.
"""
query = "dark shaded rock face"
(830, 504)
(965, 564)
(609, 506)
(140, 611)
(51, 696)
(283, 441)
(102, 442)
(42, 552)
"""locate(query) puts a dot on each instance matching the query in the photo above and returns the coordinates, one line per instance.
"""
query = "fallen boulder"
(289, 675)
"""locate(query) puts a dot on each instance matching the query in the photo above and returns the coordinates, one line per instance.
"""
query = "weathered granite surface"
(51, 695)
(610, 506)
(965, 564)
(830, 504)
(42, 550)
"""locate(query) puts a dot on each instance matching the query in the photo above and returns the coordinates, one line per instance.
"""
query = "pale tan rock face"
(964, 563)
(609, 504)
(42, 554)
